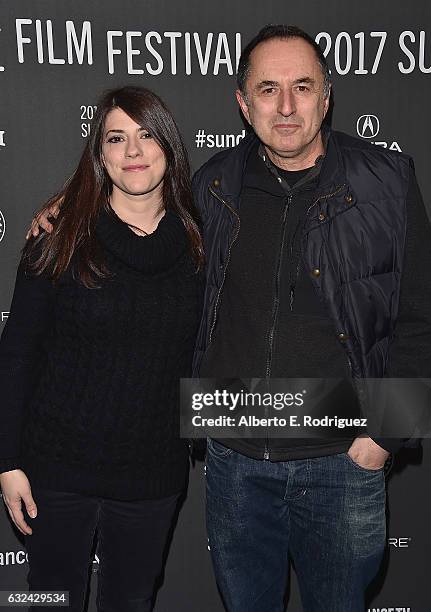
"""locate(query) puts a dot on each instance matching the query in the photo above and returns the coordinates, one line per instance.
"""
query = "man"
(304, 232)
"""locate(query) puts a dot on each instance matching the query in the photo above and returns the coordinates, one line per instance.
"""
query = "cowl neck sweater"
(150, 254)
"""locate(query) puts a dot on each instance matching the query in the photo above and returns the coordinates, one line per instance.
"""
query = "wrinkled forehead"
(283, 60)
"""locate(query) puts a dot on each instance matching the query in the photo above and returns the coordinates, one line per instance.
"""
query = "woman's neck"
(141, 212)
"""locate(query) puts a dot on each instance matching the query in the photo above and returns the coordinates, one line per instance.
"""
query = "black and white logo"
(368, 126)
(2, 226)
(2, 142)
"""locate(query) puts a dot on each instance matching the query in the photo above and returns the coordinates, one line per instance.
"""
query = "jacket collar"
(228, 180)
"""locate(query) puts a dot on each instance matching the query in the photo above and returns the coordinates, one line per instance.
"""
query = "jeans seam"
(362, 469)
(223, 455)
(304, 489)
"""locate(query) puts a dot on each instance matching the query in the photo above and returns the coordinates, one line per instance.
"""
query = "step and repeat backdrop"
(55, 59)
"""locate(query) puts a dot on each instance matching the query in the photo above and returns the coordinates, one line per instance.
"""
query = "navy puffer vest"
(353, 241)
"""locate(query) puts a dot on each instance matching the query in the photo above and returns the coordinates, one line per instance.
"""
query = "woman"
(102, 326)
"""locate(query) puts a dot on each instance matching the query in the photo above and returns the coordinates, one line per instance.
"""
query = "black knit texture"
(103, 416)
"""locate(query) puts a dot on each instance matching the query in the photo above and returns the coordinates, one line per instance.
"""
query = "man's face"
(284, 100)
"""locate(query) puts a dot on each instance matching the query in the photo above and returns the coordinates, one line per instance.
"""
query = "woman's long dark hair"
(89, 188)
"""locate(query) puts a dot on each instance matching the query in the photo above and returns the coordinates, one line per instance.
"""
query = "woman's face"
(134, 161)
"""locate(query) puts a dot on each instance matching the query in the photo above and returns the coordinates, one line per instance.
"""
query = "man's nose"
(286, 102)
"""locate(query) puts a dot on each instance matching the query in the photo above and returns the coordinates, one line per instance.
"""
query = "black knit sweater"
(90, 377)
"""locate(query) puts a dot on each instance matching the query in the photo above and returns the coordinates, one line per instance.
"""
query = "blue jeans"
(327, 514)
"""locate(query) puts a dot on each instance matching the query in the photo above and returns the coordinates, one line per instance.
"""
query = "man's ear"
(326, 103)
(243, 105)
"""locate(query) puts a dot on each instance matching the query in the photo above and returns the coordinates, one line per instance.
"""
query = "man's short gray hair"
(283, 32)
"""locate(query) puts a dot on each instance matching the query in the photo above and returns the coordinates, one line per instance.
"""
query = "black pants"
(132, 537)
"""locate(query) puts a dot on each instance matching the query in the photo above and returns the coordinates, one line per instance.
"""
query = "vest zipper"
(227, 259)
(324, 197)
(293, 287)
(276, 304)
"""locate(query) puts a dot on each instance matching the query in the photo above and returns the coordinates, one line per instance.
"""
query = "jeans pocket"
(218, 450)
(360, 467)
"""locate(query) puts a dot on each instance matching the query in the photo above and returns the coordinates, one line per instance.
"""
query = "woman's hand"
(41, 220)
(16, 487)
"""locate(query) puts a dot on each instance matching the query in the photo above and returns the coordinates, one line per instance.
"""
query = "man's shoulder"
(213, 163)
(212, 167)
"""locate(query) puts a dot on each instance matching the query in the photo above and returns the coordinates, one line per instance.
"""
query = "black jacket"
(353, 243)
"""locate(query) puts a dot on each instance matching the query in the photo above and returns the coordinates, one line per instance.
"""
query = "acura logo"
(368, 126)
(2, 226)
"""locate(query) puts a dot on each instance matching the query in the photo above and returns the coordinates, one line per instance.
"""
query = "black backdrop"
(57, 56)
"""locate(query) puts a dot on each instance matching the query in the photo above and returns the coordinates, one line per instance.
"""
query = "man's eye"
(268, 90)
(302, 88)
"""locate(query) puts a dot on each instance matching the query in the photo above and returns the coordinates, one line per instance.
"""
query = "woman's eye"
(118, 138)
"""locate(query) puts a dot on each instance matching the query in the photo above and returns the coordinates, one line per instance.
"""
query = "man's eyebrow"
(306, 79)
(263, 84)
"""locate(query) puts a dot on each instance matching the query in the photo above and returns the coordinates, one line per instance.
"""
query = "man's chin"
(285, 151)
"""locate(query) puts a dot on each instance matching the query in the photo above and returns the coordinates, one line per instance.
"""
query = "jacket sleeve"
(410, 351)
(21, 353)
